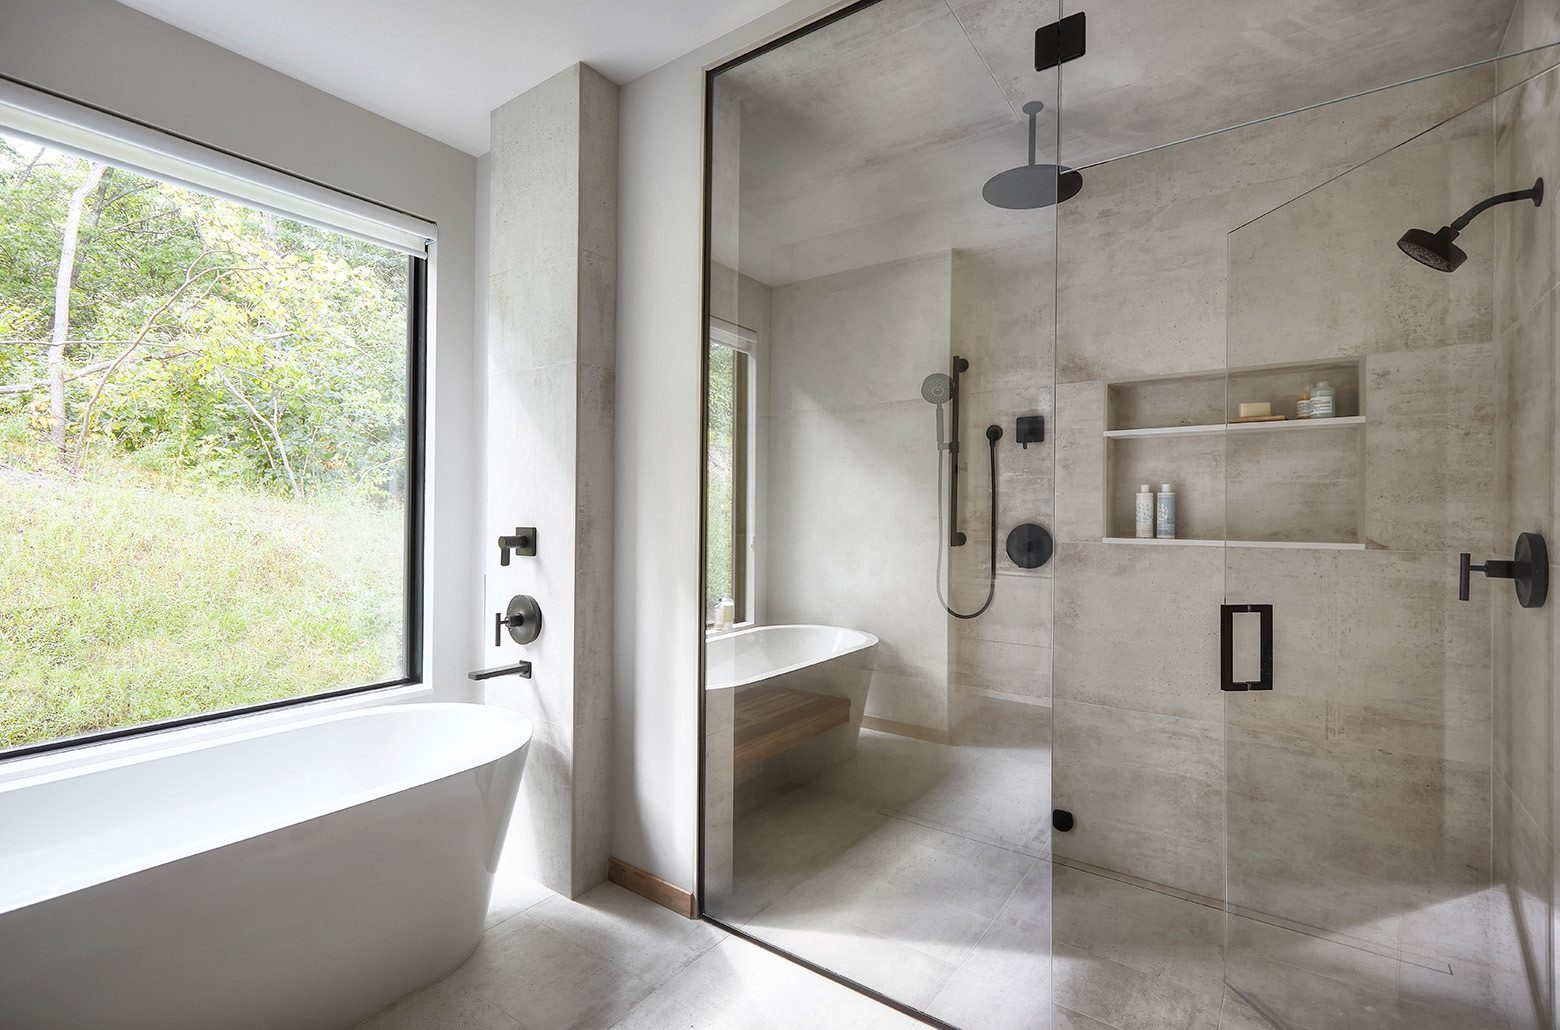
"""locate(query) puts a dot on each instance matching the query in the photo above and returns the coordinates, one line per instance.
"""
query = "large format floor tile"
(614, 961)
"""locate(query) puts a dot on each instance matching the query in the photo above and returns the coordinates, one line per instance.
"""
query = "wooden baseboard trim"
(667, 895)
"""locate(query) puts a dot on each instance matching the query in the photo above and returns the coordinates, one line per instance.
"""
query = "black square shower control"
(1031, 429)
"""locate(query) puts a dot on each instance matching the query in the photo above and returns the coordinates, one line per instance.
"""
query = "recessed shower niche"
(1281, 481)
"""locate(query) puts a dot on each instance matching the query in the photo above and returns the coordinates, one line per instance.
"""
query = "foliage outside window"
(203, 452)
(726, 481)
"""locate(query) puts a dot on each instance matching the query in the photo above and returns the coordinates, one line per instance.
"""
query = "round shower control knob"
(522, 617)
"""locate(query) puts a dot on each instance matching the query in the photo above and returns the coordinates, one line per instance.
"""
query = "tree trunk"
(62, 280)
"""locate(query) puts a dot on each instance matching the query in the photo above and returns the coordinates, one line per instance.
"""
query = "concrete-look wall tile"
(1523, 716)
(1381, 833)
(1313, 278)
(1020, 612)
(1004, 314)
(1080, 461)
(1403, 635)
(590, 794)
(1429, 484)
(532, 484)
(598, 163)
(539, 841)
(1024, 479)
(548, 457)
(851, 444)
(593, 568)
(860, 338)
(1525, 425)
(913, 700)
(1280, 488)
(1527, 147)
(1414, 661)
(1159, 815)
(1138, 628)
(1018, 669)
(1523, 869)
(1302, 587)
(1534, 23)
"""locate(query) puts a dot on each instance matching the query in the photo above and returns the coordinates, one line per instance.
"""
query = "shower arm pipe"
(955, 538)
(1532, 193)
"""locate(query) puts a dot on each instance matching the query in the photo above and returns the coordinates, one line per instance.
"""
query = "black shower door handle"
(1227, 615)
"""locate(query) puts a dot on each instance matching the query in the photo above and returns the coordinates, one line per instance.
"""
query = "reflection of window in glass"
(729, 472)
(206, 437)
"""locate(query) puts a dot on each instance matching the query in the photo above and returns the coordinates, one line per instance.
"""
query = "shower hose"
(942, 540)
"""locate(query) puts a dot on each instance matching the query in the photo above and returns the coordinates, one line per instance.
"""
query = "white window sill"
(229, 726)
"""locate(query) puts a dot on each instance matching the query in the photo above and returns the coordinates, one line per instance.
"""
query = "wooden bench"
(769, 720)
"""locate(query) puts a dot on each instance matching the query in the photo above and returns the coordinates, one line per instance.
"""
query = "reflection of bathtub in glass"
(740, 668)
(747, 656)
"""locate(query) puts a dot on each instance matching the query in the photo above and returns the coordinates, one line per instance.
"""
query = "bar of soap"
(1255, 409)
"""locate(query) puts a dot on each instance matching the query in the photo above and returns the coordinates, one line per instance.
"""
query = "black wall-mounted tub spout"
(1528, 569)
(521, 669)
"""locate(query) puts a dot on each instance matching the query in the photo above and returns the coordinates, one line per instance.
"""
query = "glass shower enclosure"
(981, 741)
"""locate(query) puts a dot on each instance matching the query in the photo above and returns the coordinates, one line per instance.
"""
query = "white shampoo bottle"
(1145, 512)
(1165, 522)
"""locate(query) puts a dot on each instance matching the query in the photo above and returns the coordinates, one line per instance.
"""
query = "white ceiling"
(439, 66)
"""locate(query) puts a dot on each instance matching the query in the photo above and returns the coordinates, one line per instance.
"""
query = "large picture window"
(209, 472)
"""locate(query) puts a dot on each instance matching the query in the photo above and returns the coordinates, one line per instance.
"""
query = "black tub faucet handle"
(522, 542)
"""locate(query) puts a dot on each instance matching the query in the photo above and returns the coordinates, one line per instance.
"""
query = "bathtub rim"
(390, 787)
(871, 640)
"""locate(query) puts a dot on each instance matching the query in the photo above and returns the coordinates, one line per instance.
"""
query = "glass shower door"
(1387, 791)
(876, 768)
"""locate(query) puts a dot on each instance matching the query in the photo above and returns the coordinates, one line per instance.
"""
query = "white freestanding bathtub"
(299, 876)
(831, 660)
(746, 656)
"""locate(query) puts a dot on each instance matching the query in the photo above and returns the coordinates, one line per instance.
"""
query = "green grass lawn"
(123, 603)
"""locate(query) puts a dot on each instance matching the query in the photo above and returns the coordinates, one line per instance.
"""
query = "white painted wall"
(110, 56)
(656, 512)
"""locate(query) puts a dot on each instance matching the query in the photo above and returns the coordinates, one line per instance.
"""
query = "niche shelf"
(1299, 545)
(1295, 483)
(1287, 426)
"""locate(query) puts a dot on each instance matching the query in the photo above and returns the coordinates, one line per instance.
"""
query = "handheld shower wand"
(939, 389)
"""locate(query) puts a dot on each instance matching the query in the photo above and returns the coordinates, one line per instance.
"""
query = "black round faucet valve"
(1528, 570)
(1029, 546)
(522, 617)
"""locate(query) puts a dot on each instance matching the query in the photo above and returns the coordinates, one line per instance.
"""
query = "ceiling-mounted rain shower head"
(937, 388)
(1032, 185)
(1438, 251)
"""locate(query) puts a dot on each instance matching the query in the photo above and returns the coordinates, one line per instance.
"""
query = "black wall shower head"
(1438, 251)
(1434, 249)
(1032, 185)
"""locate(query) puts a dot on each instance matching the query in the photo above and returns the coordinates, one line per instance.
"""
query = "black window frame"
(413, 557)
